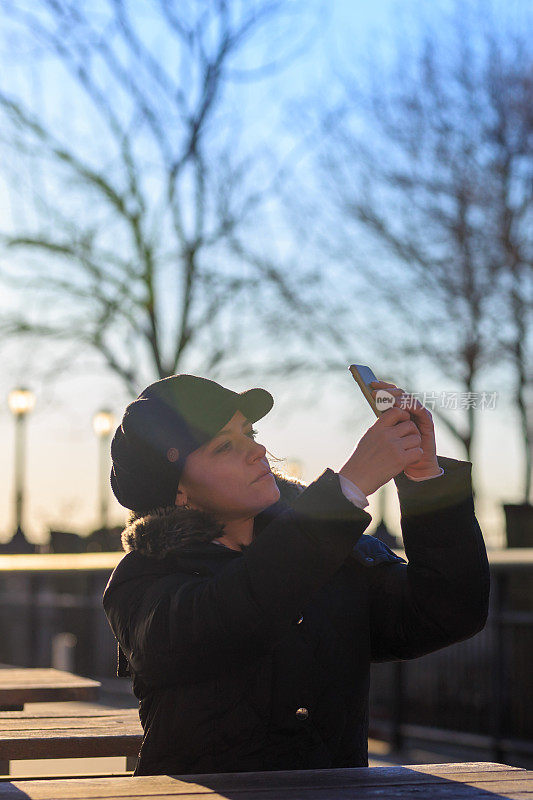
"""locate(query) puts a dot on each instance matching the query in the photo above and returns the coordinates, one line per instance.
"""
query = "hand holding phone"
(364, 376)
(416, 431)
(390, 445)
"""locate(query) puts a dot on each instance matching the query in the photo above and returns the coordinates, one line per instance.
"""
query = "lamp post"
(382, 497)
(293, 469)
(382, 532)
(103, 424)
(21, 402)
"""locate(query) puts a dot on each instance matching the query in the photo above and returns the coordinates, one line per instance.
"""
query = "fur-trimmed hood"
(171, 528)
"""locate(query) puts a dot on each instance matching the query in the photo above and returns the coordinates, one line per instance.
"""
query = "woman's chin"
(274, 493)
(268, 492)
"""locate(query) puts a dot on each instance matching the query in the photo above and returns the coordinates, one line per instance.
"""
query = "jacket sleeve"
(188, 627)
(441, 595)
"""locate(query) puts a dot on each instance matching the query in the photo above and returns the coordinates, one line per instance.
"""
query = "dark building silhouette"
(383, 534)
(103, 540)
(17, 544)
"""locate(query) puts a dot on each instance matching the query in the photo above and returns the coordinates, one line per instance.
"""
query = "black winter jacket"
(260, 659)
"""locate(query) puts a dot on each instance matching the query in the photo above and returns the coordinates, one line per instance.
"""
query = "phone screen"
(366, 373)
(363, 375)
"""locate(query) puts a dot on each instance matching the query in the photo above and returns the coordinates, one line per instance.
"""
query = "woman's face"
(226, 476)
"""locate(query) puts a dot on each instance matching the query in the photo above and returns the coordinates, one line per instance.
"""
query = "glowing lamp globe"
(21, 401)
(103, 422)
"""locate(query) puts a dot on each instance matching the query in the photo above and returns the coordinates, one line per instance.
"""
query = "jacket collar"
(172, 529)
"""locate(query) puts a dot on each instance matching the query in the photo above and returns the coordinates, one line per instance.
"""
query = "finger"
(407, 428)
(382, 385)
(414, 454)
(390, 392)
(409, 402)
(411, 441)
(416, 409)
(395, 390)
(393, 415)
(403, 399)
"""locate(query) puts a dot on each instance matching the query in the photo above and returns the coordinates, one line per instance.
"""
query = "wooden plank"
(22, 726)
(22, 676)
(124, 743)
(117, 735)
(63, 710)
(461, 794)
(53, 776)
(18, 729)
(110, 747)
(509, 558)
(65, 790)
(30, 685)
(60, 562)
(44, 791)
(446, 781)
(382, 729)
(18, 696)
(515, 558)
(93, 731)
(447, 793)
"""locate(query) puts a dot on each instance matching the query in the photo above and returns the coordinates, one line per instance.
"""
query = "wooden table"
(466, 781)
(86, 731)
(19, 685)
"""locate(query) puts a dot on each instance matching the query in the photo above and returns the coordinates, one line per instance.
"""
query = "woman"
(249, 607)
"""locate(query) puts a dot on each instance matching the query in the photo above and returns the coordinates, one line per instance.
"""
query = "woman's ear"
(181, 498)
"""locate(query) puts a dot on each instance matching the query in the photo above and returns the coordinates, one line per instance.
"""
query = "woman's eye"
(226, 446)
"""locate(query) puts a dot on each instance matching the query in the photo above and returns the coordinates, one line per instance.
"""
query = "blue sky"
(62, 452)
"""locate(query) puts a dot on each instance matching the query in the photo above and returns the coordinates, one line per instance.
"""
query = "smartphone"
(363, 376)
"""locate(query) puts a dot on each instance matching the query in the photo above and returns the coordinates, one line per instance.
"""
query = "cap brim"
(255, 403)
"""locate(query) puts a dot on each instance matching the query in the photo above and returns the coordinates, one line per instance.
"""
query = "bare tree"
(427, 158)
(145, 188)
(511, 213)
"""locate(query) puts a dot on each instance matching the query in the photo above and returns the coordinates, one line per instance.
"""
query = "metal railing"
(477, 693)
(43, 596)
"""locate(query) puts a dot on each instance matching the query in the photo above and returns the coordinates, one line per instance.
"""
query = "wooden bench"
(83, 732)
(462, 781)
(20, 685)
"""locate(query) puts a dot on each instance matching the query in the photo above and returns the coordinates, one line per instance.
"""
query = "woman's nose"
(256, 451)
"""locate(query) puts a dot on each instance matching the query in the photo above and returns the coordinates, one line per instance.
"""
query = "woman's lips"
(267, 475)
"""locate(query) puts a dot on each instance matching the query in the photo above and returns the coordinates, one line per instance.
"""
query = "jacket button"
(369, 560)
(302, 713)
(300, 620)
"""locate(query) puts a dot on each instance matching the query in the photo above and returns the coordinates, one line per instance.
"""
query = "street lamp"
(293, 469)
(382, 532)
(103, 424)
(21, 402)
